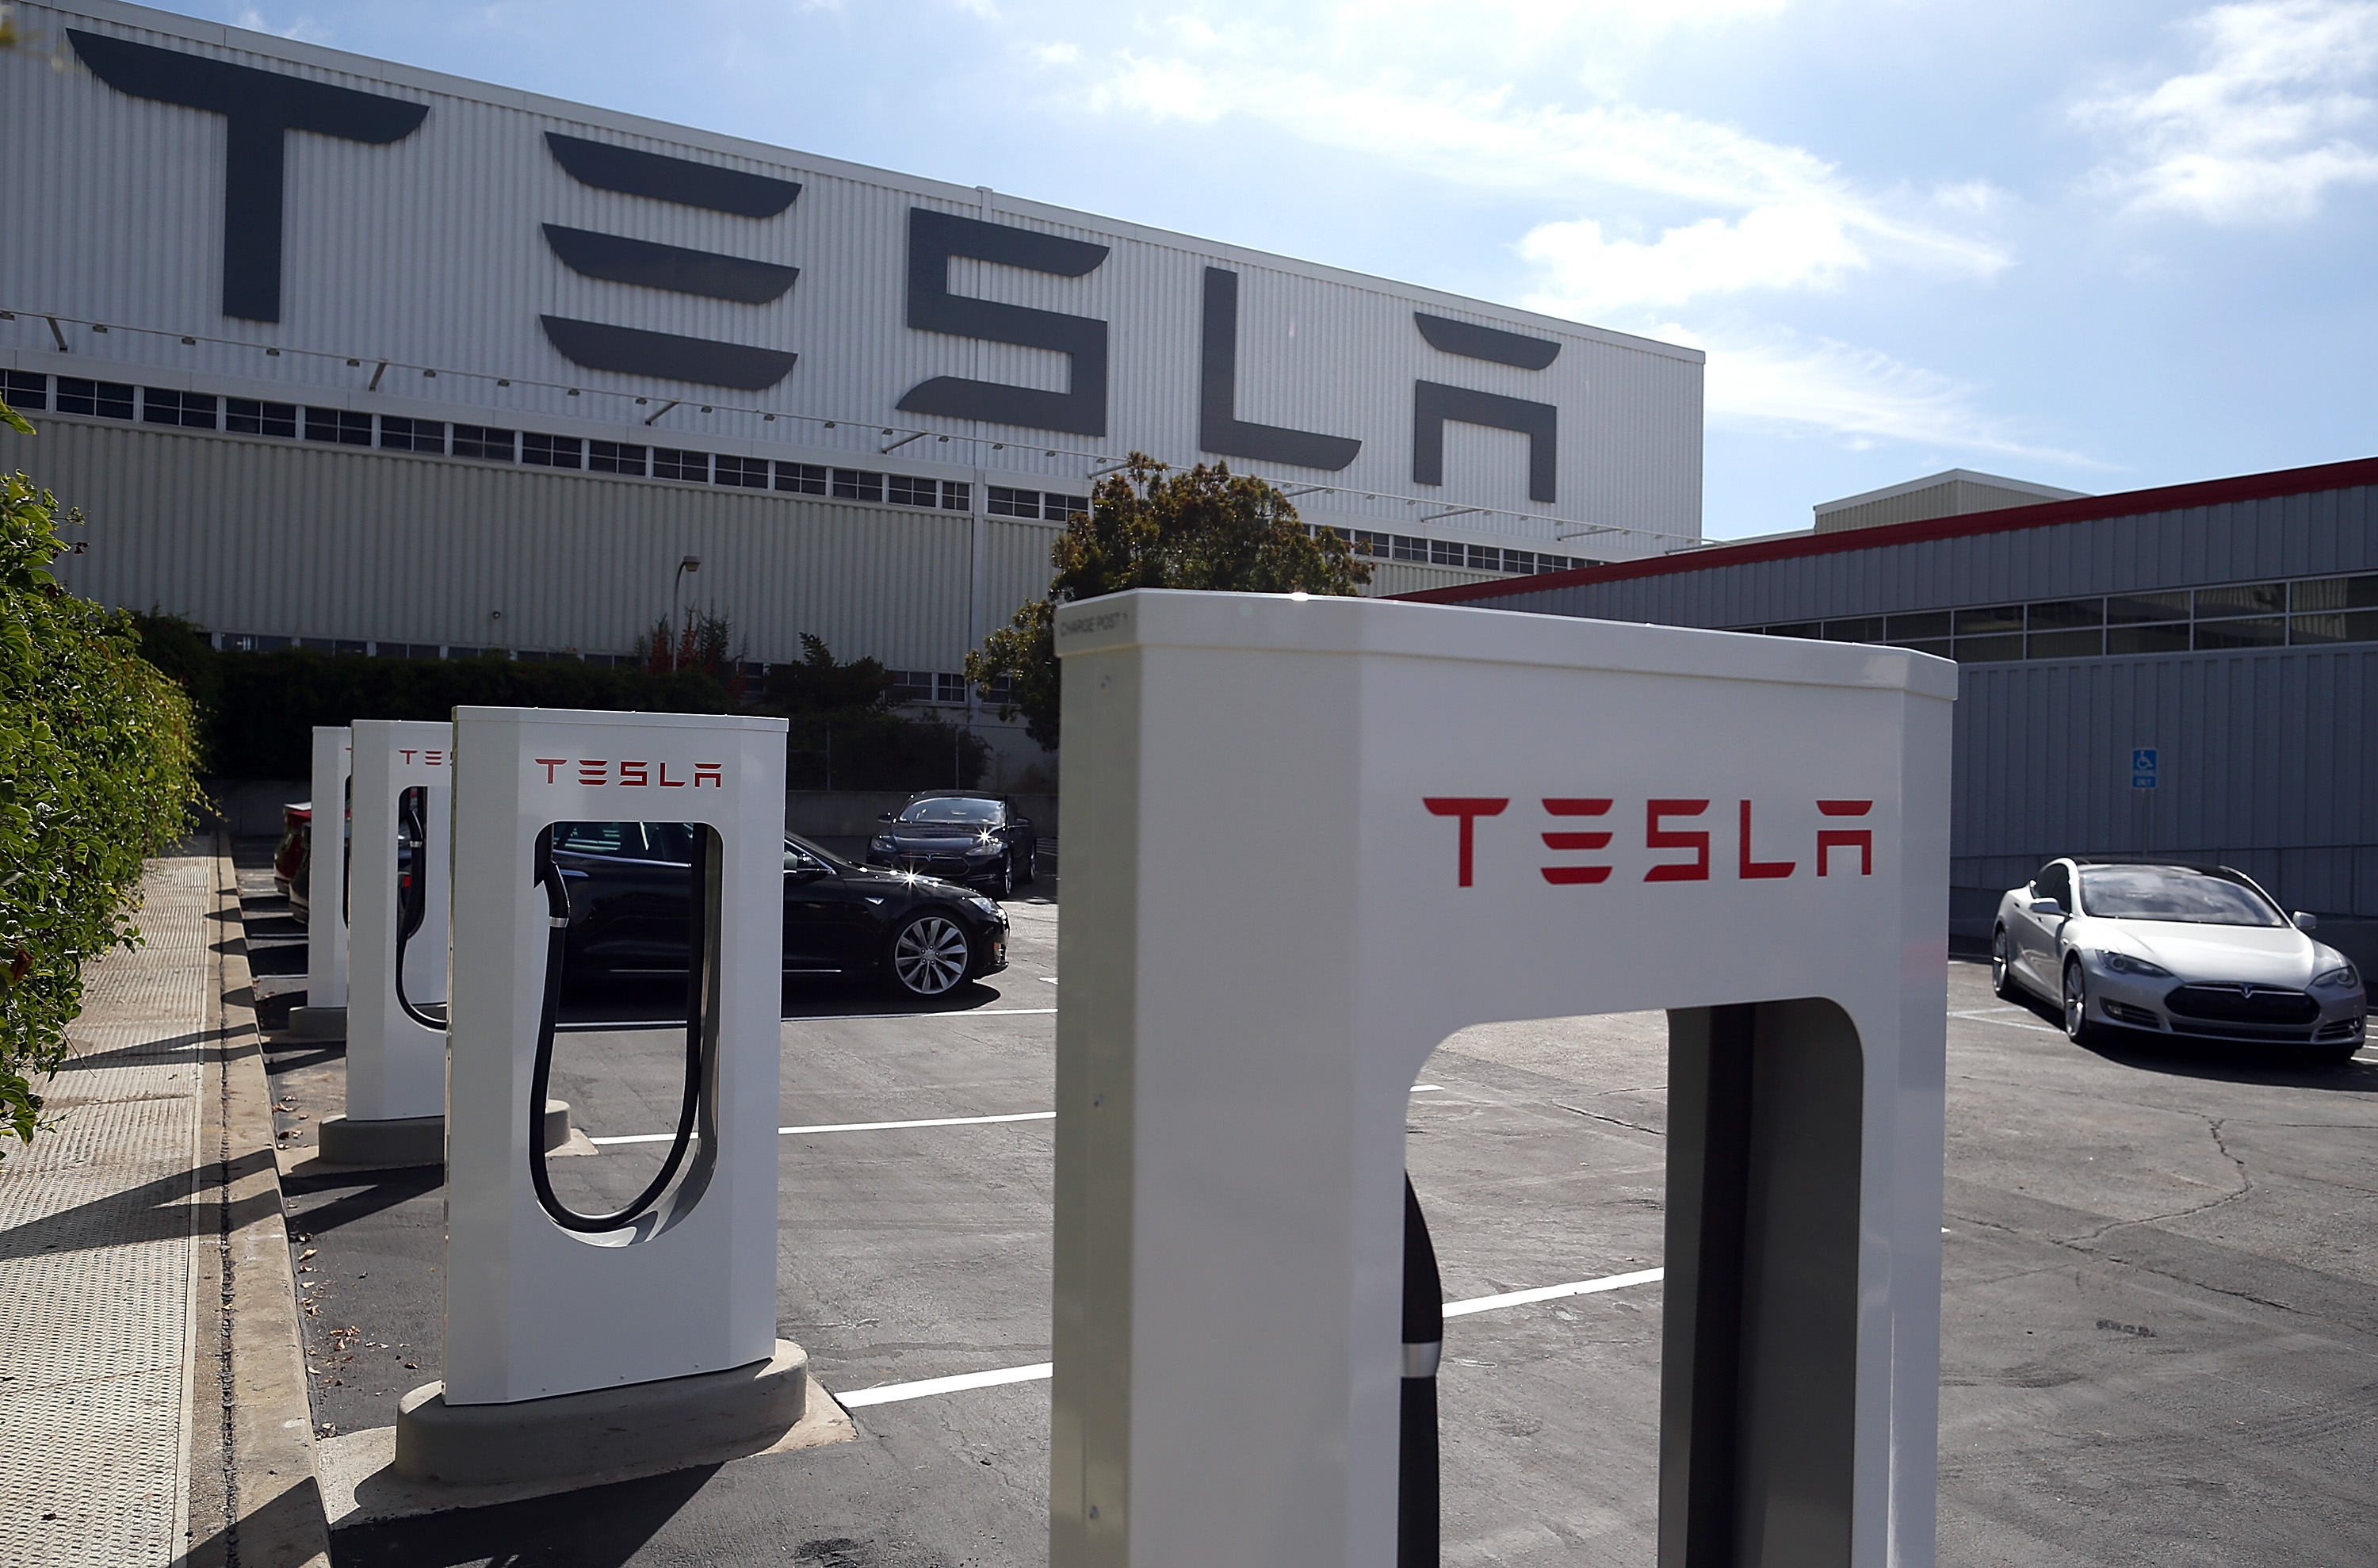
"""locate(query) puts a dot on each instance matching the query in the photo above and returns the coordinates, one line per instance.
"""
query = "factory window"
(483, 441)
(552, 452)
(245, 417)
(956, 496)
(101, 399)
(669, 462)
(342, 425)
(24, 389)
(1006, 502)
(615, 457)
(2309, 612)
(1060, 508)
(906, 489)
(411, 435)
(751, 473)
(161, 405)
(1445, 552)
(852, 484)
(405, 650)
(1409, 548)
(801, 479)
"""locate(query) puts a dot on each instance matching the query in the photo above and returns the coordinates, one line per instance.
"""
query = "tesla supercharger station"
(324, 1013)
(1306, 839)
(396, 947)
(578, 1343)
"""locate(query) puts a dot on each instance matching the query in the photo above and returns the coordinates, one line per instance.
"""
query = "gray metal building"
(335, 351)
(2189, 672)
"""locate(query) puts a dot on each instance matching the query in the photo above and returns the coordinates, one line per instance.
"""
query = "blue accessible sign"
(2143, 767)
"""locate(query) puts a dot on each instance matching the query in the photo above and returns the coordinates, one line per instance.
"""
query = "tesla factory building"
(2188, 672)
(336, 352)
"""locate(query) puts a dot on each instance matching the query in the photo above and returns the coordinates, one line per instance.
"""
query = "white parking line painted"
(852, 1126)
(1982, 1015)
(894, 1393)
(885, 1126)
(1550, 1293)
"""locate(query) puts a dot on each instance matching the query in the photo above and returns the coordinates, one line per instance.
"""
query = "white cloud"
(1830, 388)
(305, 30)
(1790, 219)
(2261, 130)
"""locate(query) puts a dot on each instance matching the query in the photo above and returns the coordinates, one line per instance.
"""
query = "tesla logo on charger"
(1658, 814)
(429, 759)
(631, 775)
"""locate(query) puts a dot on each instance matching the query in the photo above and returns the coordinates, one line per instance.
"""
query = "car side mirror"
(2049, 907)
(2306, 921)
(883, 816)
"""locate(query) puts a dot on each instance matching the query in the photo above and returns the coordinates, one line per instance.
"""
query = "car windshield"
(955, 810)
(2166, 892)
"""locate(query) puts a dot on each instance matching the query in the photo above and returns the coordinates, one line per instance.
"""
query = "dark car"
(628, 888)
(976, 839)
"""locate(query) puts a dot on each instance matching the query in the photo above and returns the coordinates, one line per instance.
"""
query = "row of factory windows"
(344, 426)
(910, 687)
(1451, 552)
(2307, 611)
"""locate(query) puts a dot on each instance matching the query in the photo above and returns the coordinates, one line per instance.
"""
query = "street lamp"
(690, 563)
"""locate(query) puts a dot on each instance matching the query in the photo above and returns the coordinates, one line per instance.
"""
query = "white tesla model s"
(2195, 951)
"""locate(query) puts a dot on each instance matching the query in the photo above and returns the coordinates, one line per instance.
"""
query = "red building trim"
(2128, 503)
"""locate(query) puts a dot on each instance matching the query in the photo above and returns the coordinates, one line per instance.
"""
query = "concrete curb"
(254, 1499)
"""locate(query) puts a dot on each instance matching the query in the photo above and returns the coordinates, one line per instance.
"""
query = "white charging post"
(572, 1353)
(1308, 840)
(396, 1062)
(325, 1012)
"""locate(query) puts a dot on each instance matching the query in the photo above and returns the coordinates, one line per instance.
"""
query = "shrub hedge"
(97, 753)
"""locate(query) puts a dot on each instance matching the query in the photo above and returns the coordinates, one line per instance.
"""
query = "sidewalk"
(152, 1402)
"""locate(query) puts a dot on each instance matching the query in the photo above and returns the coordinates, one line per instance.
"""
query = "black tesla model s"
(627, 888)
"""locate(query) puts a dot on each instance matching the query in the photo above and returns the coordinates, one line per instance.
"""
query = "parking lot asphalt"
(2161, 1327)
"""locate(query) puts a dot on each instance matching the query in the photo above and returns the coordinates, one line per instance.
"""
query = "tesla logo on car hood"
(2247, 992)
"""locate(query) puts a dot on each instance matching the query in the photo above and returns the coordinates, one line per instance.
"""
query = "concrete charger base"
(411, 1140)
(641, 1427)
(318, 1023)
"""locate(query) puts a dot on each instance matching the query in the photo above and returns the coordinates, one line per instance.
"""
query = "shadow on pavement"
(2211, 1060)
(599, 1527)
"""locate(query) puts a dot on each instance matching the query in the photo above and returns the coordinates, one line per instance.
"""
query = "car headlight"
(2125, 963)
(980, 852)
(2343, 978)
(984, 906)
(883, 843)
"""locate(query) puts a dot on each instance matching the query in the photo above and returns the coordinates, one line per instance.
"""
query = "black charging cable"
(413, 896)
(1416, 1501)
(702, 975)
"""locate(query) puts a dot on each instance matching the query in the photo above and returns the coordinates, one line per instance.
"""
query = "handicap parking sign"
(2143, 767)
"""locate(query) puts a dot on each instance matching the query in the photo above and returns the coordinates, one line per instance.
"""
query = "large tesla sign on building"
(232, 198)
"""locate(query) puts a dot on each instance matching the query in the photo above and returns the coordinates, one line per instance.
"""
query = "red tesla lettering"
(631, 773)
(1859, 839)
(711, 773)
(1566, 876)
(1657, 838)
(669, 783)
(549, 764)
(1468, 808)
(1753, 870)
(594, 770)
(405, 754)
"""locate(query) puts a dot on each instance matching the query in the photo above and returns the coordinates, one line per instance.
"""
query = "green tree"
(1150, 527)
(97, 772)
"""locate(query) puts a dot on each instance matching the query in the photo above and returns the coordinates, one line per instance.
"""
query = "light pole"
(690, 563)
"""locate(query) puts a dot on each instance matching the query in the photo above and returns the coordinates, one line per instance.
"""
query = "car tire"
(2078, 1028)
(2002, 979)
(1031, 864)
(1002, 888)
(929, 956)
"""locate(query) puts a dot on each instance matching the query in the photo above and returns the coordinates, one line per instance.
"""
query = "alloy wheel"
(2076, 1004)
(930, 955)
(2001, 974)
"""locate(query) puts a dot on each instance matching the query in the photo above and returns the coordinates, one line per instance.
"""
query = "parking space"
(2161, 1334)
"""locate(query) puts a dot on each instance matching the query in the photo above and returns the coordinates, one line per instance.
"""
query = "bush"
(97, 753)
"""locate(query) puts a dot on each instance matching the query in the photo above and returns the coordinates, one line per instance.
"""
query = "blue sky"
(2100, 246)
